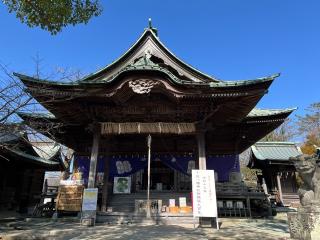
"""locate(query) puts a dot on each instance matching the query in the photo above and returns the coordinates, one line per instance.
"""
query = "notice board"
(90, 197)
(204, 193)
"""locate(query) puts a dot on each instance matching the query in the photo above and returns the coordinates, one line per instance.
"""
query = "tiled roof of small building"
(281, 151)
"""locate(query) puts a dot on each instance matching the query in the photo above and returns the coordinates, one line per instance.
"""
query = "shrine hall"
(195, 121)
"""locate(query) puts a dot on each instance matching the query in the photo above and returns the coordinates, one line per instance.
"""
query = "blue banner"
(126, 165)
(223, 165)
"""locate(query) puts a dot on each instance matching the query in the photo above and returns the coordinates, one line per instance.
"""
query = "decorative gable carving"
(142, 86)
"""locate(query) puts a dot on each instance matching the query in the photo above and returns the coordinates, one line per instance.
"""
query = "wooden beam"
(94, 157)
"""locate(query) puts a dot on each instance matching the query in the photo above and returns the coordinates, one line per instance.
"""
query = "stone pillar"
(279, 187)
(94, 156)
(201, 140)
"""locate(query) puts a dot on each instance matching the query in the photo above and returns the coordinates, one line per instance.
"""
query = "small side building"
(278, 172)
(22, 169)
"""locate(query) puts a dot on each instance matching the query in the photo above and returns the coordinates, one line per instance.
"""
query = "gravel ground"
(70, 229)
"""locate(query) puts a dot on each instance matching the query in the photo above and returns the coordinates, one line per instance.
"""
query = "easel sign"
(204, 194)
(89, 206)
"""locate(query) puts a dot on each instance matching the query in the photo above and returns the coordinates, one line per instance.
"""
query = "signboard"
(172, 202)
(90, 197)
(182, 201)
(122, 185)
(204, 193)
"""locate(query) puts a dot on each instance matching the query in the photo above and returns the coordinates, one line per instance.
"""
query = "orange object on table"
(186, 209)
(174, 209)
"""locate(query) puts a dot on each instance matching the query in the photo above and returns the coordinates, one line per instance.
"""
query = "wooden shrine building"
(195, 120)
(273, 158)
(22, 168)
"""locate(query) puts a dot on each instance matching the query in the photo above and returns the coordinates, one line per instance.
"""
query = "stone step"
(127, 201)
(125, 218)
(290, 199)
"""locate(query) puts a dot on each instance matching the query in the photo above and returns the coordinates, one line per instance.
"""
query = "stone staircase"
(132, 218)
(123, 209)
(126, 202)
(291, 199)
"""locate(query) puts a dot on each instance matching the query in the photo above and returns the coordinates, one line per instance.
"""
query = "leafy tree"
(14, 99)
(285, 132)
(54, 15)
(309, 126)
(311, 143)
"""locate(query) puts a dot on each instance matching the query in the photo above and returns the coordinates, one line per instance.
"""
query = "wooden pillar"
(94, 157)
(175, 180)
(279, 187)
(201, 140)
(105, 186)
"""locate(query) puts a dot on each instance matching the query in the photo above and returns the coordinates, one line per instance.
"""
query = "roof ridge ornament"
(154, 30)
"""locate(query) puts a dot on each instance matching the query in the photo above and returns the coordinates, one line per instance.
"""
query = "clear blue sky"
(228, 39)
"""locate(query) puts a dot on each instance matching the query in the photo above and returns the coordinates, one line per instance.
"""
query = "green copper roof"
(46, 115)
(280, 151)
(32, 158)
(131, 64)
(149, 32)
(257, 112)
(221, 84)
(44, 155)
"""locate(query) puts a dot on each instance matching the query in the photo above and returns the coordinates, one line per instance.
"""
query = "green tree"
(53, 16)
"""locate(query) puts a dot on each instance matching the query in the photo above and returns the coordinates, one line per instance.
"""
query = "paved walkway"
(230, 229)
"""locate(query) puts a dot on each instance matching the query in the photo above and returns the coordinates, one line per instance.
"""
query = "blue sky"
(228, 39)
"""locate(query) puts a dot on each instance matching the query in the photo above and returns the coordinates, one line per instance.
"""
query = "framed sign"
(90, 197)
(204, 193)
(182, 201)
(172, 202)
(122, 185)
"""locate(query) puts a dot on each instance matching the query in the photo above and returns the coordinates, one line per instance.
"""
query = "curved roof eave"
(236, 83)
(27, 79)
(257, 112)
(38, 160)
(222, 84)
(36, 115)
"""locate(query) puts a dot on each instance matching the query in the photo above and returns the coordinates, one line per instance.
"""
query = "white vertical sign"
(204, 193)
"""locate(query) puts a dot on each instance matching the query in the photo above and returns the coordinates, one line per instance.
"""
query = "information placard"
(204, 193)
(90, 197)
(122, 185)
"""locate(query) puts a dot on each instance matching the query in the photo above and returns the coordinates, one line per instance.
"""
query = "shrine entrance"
(161, 178)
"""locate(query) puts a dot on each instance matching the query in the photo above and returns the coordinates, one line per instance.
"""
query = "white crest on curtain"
(191, 165)
(123, 167)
